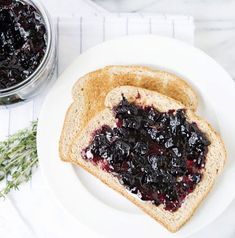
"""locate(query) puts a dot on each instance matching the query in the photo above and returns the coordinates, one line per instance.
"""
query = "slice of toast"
(215, 157)
(90, 91)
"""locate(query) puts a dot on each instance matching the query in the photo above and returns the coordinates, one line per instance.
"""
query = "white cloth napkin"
(33, 211)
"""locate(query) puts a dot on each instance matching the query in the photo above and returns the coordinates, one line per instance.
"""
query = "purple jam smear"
(158, 156)
(23, 43)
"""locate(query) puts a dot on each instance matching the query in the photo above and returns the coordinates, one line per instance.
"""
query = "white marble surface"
(200, 9)
(215, 34)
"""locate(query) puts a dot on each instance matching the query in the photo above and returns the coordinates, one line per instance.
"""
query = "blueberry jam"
(158, 156)
(22, 41)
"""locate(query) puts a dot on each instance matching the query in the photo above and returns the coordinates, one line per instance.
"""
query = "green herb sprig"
(18, 157)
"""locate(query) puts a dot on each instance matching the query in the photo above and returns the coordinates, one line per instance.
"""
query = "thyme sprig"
(18, 158)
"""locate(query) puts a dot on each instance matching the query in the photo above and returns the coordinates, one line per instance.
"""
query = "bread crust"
(90, 91)
(215, 159)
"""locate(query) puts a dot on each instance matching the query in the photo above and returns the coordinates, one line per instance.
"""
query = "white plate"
(91, 202)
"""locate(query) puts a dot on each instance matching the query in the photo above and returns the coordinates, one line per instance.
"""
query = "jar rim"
(48, 24)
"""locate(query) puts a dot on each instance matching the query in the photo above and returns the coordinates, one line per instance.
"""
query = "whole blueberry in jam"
(159, 156)
(23, 41)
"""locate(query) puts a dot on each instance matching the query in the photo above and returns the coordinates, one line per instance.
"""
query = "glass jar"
(40, 78)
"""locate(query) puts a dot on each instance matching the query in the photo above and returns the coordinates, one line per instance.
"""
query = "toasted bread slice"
(215, 158)
(90, 91)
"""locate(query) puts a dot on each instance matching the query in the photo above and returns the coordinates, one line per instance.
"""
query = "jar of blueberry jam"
(27, 50)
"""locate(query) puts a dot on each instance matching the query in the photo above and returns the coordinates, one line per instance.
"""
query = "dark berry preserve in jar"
(27, 53)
